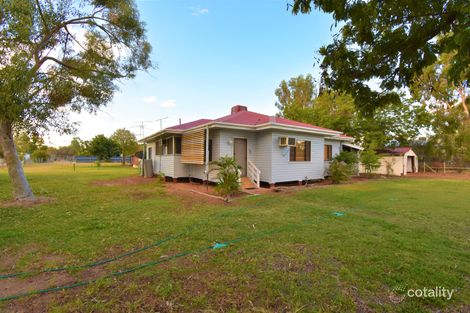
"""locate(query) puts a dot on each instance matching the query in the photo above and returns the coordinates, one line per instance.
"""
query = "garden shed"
(397, 161)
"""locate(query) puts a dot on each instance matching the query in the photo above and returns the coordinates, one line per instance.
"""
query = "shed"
(397, 161)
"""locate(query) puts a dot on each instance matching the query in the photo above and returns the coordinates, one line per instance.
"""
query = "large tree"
(387, 125)
(448, 105)
(126, 141)
(391, 42)
(59, 56)
(103, 148)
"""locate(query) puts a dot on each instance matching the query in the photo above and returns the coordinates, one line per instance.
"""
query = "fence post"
(444, 167)
(424, 166)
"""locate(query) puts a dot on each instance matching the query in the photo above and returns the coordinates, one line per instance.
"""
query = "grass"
(395, 234)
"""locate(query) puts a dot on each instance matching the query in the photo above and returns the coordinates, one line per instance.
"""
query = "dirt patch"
(185, 192)
(124, 181)
(26, 203)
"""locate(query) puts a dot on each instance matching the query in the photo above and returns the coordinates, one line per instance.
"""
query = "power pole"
(141, 125)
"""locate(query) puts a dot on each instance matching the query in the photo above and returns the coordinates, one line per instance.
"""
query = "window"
(177, 145)
(168, 145)
(328, 152)
(149, 156)
(301, 151)
(291, 141)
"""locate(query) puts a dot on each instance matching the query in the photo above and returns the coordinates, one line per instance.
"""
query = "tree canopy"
(104, 148)
(126, 141)
(391, 41)
(447, 103)
(59, 57)
(399, 124)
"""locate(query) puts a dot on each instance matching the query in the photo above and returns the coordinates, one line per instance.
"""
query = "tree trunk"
(21, 188)
(463, 98)
(123, 158)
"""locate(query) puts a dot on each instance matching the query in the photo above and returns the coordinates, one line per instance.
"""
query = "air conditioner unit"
(283, 141)
(286, 142)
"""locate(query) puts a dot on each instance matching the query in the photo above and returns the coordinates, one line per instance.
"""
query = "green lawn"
(295, 254)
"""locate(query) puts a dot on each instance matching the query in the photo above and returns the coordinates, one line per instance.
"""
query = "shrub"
(340, 171)
(370, 160)
(347, 157)
(229, 177)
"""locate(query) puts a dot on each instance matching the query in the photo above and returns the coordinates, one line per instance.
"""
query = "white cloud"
(149, 99)
(197, 11)
(170, 103)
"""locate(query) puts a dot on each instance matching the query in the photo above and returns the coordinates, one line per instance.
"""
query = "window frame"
(328, 152)
(307, 155)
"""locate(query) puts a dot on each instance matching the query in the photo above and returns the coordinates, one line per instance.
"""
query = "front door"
(239, 153)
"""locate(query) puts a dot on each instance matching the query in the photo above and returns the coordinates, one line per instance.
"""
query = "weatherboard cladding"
(285, 170)
(263, 155)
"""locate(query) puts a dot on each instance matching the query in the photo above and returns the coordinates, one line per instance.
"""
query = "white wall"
(263, 155)
(284, 170)
(336, 149)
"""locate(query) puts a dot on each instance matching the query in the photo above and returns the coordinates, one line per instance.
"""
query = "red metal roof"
(398, 150)
(248, 118)
(189, 125)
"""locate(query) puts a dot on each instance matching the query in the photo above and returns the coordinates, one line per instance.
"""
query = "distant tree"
(63, 152)
(391, 41)
(336, 111)
(392, 125)
(26, 143)
(295, 98)
(388, 125)
(40, 155)
(127, 142)
(58, 57)
(103, 148)
(78, 146)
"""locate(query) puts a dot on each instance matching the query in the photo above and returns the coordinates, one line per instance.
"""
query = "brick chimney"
(238, 108)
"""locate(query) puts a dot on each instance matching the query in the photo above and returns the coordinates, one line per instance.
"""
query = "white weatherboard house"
(269, 149)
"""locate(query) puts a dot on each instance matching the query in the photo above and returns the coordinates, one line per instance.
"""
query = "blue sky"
(210, 55)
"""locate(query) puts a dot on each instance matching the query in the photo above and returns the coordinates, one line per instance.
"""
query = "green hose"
(156, 262)
(120, 256)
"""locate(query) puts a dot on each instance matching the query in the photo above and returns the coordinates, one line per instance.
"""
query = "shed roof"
(395, 151)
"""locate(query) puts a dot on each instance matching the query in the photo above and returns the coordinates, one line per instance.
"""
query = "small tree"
(103, 148)
(126, 141)
(340, 171)
(347, 157)
(370, 160)
(228, 176)
(342, 167)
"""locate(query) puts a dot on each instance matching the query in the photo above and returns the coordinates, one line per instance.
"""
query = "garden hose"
(120, 256)
(163, 260)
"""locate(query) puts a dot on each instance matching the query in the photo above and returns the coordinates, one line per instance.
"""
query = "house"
(397, 161)
(269, 149)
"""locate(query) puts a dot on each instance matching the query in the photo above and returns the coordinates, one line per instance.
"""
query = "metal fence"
(92, 159)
